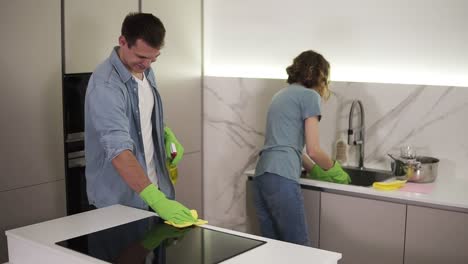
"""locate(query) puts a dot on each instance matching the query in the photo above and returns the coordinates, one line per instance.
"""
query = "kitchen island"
(37, 243)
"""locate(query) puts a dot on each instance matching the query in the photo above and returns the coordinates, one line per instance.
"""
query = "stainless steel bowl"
(423, 170)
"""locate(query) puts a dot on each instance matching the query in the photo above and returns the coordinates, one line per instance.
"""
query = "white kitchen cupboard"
(436, 236)
(363, 230)
(91, 30)
(32, 169)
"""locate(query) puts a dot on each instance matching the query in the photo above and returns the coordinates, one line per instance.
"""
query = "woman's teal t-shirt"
(284, 134)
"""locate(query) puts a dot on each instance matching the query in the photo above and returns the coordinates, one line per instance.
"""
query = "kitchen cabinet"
(363, 230)
(32, 181)
(91, 31)
(436, 236)
(251, 221)
(312, 209)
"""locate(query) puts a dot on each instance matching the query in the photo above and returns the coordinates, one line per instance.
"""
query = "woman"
(292, 120)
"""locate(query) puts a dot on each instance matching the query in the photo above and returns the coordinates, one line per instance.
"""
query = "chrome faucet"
(352, 139)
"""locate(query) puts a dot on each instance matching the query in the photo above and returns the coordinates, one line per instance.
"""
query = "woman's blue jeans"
(280, 208)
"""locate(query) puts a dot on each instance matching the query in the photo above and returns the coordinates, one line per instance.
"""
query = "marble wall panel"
(429, 118)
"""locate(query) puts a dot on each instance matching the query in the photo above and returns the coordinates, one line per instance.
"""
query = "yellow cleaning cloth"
(173, 173)
(186, 224)
(388, 186)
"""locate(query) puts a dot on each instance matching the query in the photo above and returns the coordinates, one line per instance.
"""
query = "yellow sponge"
(199, 222)
(388, 186)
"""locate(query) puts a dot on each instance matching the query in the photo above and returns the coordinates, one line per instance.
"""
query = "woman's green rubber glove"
(334, 174)
(170, 142)
(167, 209)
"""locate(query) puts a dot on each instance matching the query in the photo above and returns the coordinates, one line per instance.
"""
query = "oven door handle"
(74, 137)
(76, 163)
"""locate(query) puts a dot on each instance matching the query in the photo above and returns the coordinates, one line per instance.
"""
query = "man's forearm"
(131, 171)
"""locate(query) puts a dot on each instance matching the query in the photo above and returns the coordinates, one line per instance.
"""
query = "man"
(126, 142)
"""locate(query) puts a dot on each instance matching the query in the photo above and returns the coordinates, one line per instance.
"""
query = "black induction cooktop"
(149, 240)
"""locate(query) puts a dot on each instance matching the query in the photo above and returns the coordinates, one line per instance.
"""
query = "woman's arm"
(313, 149)
(307, 163)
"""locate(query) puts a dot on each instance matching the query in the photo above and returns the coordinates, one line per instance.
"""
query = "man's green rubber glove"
(160, 233)
(167, 209)
(334, 174)
(171, 140)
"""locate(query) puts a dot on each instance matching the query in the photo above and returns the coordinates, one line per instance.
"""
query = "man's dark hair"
(143, 26)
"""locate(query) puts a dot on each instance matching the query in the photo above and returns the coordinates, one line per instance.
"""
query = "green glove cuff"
(151, 195)
(167, 132)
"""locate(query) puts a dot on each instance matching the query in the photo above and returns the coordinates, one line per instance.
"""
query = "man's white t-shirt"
(146, 103)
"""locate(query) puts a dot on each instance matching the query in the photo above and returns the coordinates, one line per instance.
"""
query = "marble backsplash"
(429, 118)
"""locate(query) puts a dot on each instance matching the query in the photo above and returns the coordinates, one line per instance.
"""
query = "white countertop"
(38, 240)
(444, 192)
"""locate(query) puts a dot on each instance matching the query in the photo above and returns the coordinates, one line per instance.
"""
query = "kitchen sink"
(365, 177)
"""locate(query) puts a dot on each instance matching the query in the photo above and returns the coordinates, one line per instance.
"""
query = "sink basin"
(365, 177)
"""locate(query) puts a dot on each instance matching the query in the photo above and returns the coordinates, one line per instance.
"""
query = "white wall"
(429, 118)
(398, 41)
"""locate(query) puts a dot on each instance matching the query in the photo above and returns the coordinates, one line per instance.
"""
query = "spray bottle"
(173, 173)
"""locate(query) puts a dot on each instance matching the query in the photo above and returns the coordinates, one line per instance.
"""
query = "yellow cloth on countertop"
(199, 222)
(388, 186)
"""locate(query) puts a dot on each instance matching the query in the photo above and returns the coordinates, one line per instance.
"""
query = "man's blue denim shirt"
(112, 125)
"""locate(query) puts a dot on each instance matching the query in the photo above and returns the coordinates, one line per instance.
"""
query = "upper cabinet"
(30, 94)
(91, 30)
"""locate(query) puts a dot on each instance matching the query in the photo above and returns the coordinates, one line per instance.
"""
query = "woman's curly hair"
(310, 69)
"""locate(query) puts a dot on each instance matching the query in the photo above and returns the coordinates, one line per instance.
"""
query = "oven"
(74, 91)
